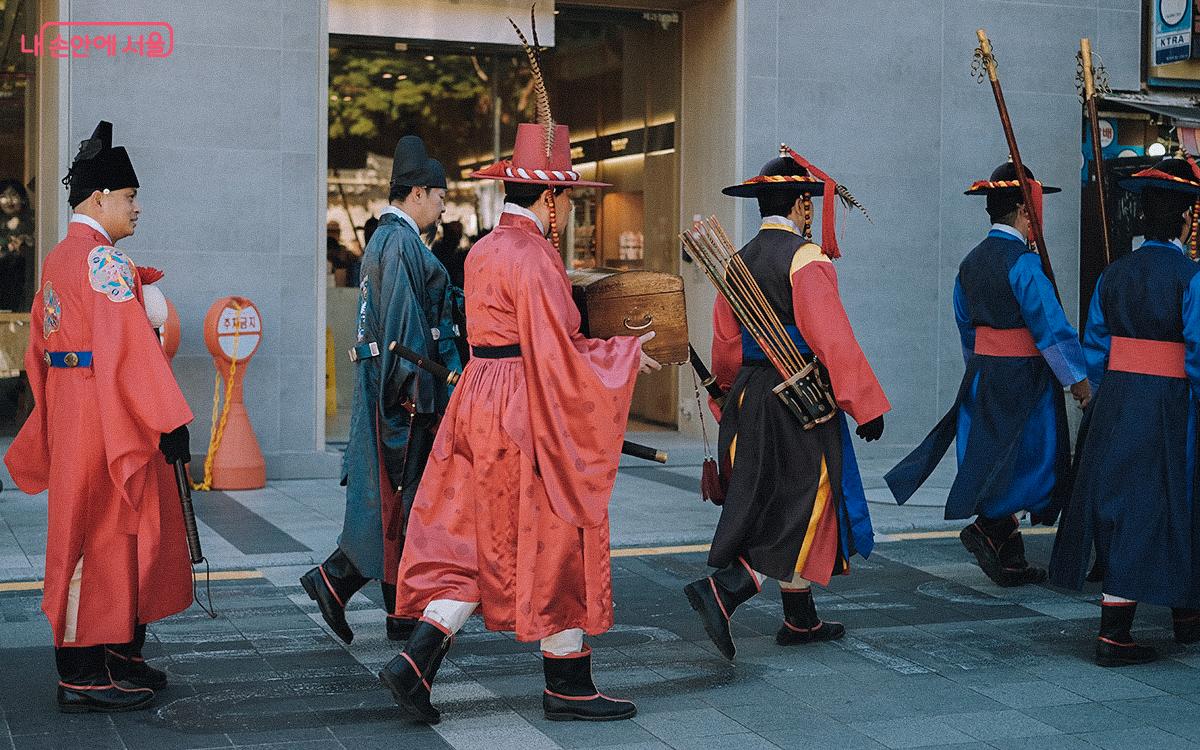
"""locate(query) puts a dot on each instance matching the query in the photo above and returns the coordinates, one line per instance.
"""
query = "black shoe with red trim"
(571, 694)
(409, 676)
(1115, 646)
(126, 664)
(801, 623)
(85, 685)
(134, 670)
(1000, 552)
(113, 697)
(716, 597)
(330, 585)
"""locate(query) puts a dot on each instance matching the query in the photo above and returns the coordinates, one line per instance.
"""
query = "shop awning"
(1181, 110)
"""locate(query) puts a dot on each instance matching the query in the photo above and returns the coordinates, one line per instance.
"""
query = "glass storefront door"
(18, 183)
(613, 76)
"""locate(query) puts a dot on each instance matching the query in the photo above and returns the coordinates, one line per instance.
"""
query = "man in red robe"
(511, 517)
(107, 412)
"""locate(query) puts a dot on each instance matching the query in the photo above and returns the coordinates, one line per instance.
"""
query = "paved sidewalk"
(935, 654)
(297, 522)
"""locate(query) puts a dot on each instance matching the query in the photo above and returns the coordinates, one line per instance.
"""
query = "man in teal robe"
(405, 296)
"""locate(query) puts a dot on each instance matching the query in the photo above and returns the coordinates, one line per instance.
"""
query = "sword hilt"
(184, 485)
(428, 365)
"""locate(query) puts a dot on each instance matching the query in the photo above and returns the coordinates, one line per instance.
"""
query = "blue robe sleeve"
(1097, 340)
(1191, 333)
(1054, 337)
(966, 331)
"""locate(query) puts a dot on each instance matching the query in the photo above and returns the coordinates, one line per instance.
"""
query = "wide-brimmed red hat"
(530, 164)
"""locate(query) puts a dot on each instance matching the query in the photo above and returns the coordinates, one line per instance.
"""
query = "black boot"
(410, 675)
(572, 696)
(84, 684)
(398, 628)
(330, 585)
(1000, 551)
(800, 621)
(1187, 624)
(1114, 645)
(717, 596)
(125, 663)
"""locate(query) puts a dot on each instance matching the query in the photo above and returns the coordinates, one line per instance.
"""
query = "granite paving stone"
(935, 655)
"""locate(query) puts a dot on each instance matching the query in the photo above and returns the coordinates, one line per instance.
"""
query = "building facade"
(230, 136)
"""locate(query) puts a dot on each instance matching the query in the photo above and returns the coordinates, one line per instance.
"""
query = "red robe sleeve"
(578, 394)
(726, 348)
(727, 343)
(823, 324)
(138, 397)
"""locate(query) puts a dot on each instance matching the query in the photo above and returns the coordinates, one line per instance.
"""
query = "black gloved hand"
(176, 445)
(871, 430)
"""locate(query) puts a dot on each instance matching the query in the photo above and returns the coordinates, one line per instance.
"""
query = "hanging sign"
(1172, 31)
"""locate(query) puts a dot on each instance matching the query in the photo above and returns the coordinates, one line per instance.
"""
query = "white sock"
(450, 614)
(564, 643)
(798, 583)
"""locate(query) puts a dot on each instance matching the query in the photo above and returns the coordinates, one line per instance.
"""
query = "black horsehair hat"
(1171, 174)
(412, 166)
(99, 166)
(783, 173)
(1004, 181)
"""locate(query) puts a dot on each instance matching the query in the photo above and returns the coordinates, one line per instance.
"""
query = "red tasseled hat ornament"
(149, 274)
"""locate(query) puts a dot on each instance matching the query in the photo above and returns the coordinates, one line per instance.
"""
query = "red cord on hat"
(829, 245)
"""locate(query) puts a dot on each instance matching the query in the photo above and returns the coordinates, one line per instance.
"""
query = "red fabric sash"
(1005, 342)
(1147, 357)
(1035, 188)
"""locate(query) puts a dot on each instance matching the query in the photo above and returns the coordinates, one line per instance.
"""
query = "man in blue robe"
(1135, 493)
(1009, 420)
(405, 296)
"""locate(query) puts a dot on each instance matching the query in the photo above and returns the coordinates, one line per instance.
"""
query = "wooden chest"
(630, 303)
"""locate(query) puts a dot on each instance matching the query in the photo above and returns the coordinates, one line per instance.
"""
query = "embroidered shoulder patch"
(111, 273)
(51, 311)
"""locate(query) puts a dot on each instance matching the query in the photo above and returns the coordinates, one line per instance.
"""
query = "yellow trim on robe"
(824, 492)
(71, 626)
(733, 443)
(807, 253)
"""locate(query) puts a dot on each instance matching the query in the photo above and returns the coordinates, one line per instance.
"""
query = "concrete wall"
(228, 139)
(879, 93)
(709, 159)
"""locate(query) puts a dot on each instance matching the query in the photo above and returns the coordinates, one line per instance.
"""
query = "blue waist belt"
(68, 359)
(752, 352)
